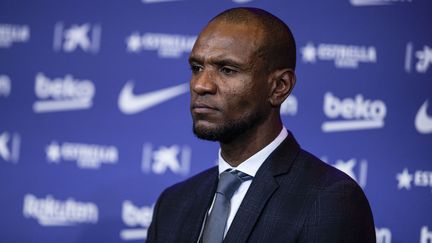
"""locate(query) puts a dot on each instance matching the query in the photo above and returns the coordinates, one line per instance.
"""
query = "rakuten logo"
(49, 211)
(62, 94)
(352, 113)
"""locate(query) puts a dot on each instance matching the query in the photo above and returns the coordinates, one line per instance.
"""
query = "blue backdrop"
(94, 117)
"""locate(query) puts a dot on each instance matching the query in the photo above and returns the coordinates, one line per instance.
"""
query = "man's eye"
(195, 68)
(227, 71)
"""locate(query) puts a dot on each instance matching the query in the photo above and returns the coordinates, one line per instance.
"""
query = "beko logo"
(62, 94)
(352, 114)
(137, 219)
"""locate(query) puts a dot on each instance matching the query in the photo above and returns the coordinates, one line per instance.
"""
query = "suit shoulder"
(336, 203)
(320, 173)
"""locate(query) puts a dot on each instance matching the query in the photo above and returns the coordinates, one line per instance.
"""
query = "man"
(242, 70)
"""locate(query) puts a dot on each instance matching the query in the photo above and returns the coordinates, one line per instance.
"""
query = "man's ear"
(283, 81)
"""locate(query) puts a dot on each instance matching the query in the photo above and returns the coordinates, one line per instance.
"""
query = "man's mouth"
(199, 107)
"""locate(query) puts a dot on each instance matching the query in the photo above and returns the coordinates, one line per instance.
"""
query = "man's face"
(229, 87)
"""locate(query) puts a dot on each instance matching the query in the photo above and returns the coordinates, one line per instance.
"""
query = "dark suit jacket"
(294, 197)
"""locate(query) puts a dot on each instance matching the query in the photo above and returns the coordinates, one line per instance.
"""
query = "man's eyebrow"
(222, 61)
(193, 59)
(227, 62)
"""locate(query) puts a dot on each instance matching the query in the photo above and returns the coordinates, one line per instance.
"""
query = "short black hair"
(278, 48)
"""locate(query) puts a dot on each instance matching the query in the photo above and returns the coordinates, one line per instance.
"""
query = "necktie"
(214, 227)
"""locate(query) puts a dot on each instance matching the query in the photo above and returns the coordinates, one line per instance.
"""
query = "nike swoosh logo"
(423, 122)
(129, 103)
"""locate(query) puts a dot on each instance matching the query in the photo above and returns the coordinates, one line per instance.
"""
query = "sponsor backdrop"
(94, 117)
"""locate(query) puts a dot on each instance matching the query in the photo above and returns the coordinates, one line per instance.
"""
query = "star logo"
(53, 152)
(133, 43)
(309, 53)
(404, 179)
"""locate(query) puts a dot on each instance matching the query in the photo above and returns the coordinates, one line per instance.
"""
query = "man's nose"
(204, 83)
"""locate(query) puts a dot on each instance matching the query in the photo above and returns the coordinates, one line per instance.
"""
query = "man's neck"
(249, 143)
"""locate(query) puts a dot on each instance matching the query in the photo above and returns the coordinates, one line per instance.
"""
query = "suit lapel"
(263, 186)
(198, 207)
(251, 207)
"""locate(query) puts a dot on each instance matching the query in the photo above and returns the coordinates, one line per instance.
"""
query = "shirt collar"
(253, 163)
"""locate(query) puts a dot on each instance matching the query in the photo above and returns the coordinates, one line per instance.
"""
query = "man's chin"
(223, 134)
(206, 133)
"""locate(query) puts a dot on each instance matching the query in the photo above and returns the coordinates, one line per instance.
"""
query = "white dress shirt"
(250, 167)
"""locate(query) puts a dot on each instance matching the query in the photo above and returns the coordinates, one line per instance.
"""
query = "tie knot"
(230, 180)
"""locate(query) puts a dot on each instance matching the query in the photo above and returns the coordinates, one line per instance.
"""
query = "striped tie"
(214, 227)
